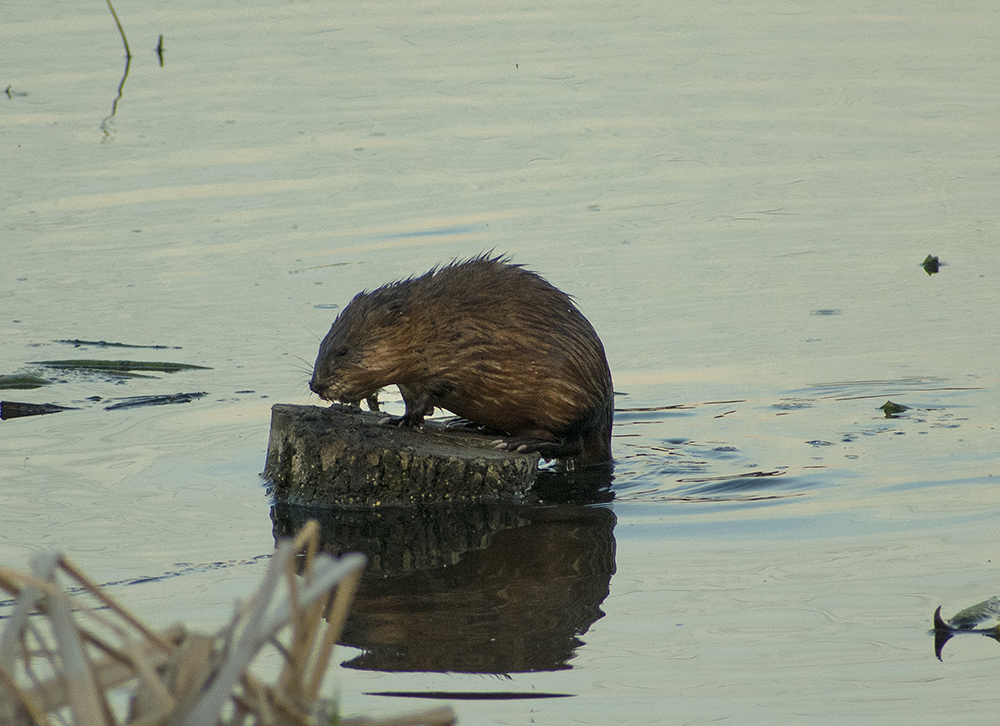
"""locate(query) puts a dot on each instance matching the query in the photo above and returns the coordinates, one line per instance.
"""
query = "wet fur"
(486, 340)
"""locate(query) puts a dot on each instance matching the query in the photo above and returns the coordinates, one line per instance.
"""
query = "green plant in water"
(23, 381)
(119, 367)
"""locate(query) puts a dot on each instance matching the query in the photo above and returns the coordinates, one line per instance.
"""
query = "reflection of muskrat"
(487, 340)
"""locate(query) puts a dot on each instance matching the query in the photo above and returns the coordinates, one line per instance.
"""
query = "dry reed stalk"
(67, 661)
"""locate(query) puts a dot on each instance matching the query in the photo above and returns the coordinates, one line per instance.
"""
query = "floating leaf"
(891, 409)
(982, 618)
(931, 264)
(987, 611)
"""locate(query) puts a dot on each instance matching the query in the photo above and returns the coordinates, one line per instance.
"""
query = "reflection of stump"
(399, 540)
(341, 456)
(519, 604)
(483, 587)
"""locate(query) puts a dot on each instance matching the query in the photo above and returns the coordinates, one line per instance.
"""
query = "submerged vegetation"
(48, 372)
(42, 376)
(124, 368)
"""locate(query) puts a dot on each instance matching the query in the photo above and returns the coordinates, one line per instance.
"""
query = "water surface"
(739, 196)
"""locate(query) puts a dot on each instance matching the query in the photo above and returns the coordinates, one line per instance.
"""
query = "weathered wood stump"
(343, 457)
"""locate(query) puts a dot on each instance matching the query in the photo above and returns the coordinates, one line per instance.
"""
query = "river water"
(739, 196)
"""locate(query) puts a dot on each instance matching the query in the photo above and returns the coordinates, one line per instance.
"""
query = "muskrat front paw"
(506, 445)
(400, 421)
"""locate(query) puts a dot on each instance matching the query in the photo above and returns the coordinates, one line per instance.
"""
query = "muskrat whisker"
(301, 325)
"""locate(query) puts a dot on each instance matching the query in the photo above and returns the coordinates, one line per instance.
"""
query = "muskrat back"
(487, 340)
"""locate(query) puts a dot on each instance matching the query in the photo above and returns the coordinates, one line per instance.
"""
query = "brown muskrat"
(487, 340)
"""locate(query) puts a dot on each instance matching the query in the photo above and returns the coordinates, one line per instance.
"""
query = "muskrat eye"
(342, 351)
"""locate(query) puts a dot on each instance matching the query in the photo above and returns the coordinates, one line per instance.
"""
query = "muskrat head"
(366, 348)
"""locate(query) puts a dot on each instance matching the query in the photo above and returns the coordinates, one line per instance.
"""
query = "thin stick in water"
(128, 53)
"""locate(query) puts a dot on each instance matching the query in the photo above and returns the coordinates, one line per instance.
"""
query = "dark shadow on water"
(586, 485)
(739, 484)
(474, 588)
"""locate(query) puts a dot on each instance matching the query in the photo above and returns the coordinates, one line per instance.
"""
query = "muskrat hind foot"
(548, 448)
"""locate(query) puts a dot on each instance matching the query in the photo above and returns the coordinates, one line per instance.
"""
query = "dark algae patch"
(22, 381)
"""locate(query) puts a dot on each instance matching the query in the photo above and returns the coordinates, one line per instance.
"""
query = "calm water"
(738, 194)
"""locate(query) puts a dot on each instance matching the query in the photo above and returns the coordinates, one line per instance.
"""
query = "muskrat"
(487, 340)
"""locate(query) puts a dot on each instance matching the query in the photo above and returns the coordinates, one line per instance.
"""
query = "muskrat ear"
(395, 310)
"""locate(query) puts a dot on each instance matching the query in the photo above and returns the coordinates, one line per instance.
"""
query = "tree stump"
(342, 456)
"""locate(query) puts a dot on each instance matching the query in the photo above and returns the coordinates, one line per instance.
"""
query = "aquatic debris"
(891, 409)
(77, 343)
(982, 619)
(113, 369)
(118, 367)
(968, 619)
(137, 401)
(473, 695)
(931, 264)
(23, 381)
(16, 409)
(61, 657)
